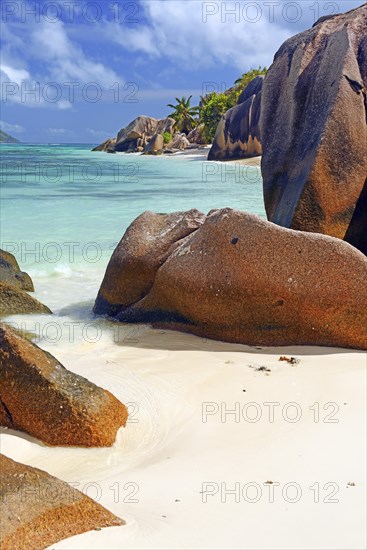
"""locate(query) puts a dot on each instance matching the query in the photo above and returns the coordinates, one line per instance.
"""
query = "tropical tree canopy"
(184, 114)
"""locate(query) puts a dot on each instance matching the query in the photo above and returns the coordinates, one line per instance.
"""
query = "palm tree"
(184, 114)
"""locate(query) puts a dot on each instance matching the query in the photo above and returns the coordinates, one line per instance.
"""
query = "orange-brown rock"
(38, 510)
(11, 274)
(14, 300)
(241, 279)
(147, 243)
(313, 127)
(42, 398)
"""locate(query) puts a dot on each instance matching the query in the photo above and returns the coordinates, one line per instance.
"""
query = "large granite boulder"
(42, 398)
(137, 134)
(313, 129)
(108, 145)
(141, 127)
(147, 243)
(241, 279)
(37, 510)
(155, 145)
(14, 300)
(238, 132)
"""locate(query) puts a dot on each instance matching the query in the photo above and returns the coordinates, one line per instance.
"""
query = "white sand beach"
(171, 475)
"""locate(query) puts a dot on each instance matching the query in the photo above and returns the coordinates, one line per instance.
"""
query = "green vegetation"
(246, 78)
(212, 106)
(167, 137)
(183, 114)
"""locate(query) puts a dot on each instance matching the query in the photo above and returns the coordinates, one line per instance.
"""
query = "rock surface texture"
(11, 274)
(238, 133)
(147, 243)
(313, 130)
(42, 398)
(108, 145)
(37, 510)
(234, 277)
(14, 300)
(137, 135)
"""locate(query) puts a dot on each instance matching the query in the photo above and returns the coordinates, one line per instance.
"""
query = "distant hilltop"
(5, 138)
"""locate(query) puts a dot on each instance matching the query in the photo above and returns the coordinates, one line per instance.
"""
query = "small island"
(7, 138)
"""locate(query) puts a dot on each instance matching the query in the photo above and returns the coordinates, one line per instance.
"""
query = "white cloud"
(99, 133)
(10, 74)
(11, 128)
(179, 31)
(37, 54)
(58, 130)
(204, 34)
(66, 59)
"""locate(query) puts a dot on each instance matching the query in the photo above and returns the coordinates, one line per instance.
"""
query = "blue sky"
(95, 65)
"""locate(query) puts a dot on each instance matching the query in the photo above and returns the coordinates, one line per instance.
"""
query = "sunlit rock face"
(234, 277)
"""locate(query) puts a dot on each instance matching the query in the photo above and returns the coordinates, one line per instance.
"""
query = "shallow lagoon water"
(66, 194)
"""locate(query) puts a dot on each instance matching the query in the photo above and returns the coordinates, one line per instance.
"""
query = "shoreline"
(200, 153)
(182, 386)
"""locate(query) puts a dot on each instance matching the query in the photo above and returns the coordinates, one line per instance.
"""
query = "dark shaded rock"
(356, 234)
(253, 88)
(37, 510)
(42, 398)
(14, 300)
(313, 127)
(238, 133)
(147, 243)
(241, 279)
(106, 145)
(11, 274)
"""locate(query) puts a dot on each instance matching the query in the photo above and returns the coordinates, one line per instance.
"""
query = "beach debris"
(290, 360)
(260, 368)
(351, 484)
(269, 482)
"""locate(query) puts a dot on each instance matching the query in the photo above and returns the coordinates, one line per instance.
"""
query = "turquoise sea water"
(64, 208)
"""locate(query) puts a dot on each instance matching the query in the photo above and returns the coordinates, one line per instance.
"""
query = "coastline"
(169, 453)
(201, 153)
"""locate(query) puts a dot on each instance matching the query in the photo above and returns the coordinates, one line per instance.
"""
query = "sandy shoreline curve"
(219, 452)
